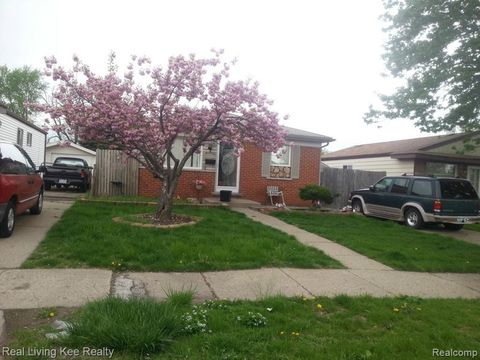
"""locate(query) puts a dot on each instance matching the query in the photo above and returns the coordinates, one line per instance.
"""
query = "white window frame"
(20, 134)
(188, 167)
(187, 164)
(289, 164)
(29, 139)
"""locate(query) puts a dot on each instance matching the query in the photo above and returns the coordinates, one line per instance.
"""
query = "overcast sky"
(320, 61)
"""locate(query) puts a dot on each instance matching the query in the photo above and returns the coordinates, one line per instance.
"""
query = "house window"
(280, 163)
(20, 137)
(194, 162)
(29, 139)
(440, 169)
(282, 157)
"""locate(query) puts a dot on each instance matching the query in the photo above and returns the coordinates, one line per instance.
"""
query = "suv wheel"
(413, 218)
(8, 222)
(357, 206)
(37, 209)
(453, 227)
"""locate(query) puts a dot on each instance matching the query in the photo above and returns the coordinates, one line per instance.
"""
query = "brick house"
(247, 176)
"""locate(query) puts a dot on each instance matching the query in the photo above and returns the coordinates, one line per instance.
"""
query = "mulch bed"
(173, 220)
(149, 220)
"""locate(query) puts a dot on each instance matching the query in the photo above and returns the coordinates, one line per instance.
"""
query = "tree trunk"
(167, 193)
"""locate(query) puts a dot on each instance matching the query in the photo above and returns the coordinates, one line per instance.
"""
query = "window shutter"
(295, 161)
(266, 158)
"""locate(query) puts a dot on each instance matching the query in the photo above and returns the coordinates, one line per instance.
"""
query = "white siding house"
(30, 137)
(390, 165)
(439, 155)
(55, 150)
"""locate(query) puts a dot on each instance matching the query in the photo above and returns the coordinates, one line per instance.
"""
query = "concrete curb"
(3, 329)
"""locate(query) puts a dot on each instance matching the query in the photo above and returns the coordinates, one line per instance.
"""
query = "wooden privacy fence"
(114, 174)
(343, 181)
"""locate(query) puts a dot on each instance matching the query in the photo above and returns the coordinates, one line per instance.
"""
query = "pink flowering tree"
(146, 109)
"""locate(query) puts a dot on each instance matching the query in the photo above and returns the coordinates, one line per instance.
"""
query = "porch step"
(235, 202)
(234, 195)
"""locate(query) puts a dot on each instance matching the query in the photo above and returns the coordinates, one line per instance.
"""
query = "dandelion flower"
(319, 306)
(52, 314)
(396, 309)
(282, 332)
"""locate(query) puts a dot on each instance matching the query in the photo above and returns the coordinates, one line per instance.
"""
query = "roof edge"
(450, 141)
(310, 139)
(76, 146)
(328, 158)
(19, 118)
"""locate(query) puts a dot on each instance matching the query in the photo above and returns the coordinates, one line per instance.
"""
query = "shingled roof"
(395, 147)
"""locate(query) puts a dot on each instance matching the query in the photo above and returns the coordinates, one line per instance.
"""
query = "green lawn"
(86, 236)
(340, 328)
(390, 243)
(474, 227)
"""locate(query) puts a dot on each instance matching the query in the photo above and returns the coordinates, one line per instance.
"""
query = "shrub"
(135, 325)
(317, 194)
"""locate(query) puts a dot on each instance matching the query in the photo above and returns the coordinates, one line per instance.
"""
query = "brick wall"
(252, 185)
(149, 186)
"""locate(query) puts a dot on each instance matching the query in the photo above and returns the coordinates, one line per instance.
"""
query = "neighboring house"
(248, 175)
(59, 149)
(17, 130)
(441, 155)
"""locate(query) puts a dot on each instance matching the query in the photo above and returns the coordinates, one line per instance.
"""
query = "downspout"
(320, 167)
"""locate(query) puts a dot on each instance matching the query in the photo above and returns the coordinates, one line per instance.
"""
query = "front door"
(473, 175)
(228, 169)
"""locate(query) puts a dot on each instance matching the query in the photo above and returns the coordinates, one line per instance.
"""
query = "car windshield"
(69, 162)
(457, 189)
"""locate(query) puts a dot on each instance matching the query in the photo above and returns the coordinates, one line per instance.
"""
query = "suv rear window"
(457, 189)
(422, 188)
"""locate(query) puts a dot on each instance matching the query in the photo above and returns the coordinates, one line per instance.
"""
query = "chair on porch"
(274, 191)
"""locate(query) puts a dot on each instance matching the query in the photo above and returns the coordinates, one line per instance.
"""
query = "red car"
(21, 187)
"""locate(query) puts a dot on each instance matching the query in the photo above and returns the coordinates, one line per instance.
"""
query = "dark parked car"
(21, 187)
(417, 200)
(67, 171)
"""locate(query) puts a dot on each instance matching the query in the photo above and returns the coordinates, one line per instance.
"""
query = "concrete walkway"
(35, 288)
(347, 257)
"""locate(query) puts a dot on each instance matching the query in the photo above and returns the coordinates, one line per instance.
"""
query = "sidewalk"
(35, 288)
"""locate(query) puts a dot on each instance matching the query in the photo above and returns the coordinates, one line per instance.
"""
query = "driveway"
(29, 231)
(69, 194)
